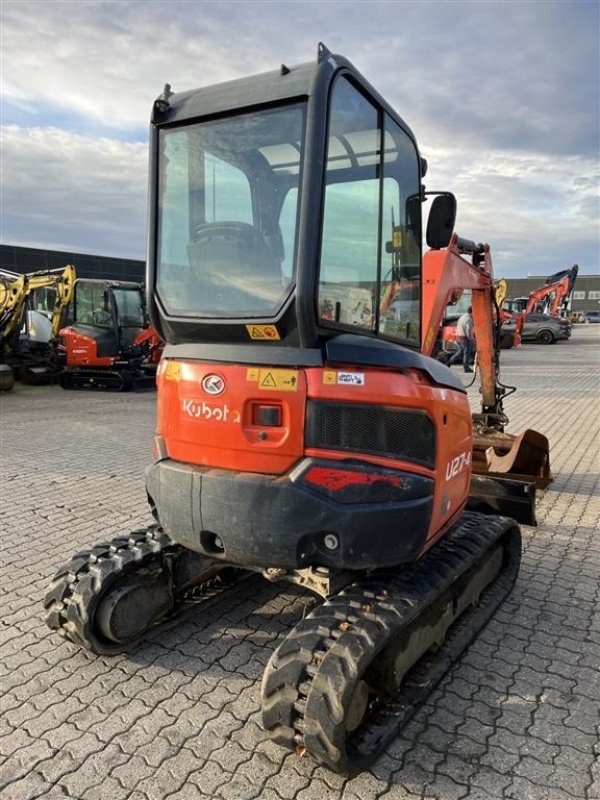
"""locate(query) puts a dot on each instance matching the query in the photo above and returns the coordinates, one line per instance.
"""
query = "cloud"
(539, 213)
(62, 190)
(499, 74)
(503, 98)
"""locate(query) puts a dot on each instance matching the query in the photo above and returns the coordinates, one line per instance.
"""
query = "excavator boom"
(523, 458)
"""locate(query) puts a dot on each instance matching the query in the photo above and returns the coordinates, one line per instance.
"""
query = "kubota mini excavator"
(302, 430)
(109, 343)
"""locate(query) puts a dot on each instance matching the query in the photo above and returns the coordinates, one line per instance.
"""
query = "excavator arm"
(496, 454)
(549, 298)
(13, 293)
(446, 271)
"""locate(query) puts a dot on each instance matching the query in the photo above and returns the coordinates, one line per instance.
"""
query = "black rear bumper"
(375, 518)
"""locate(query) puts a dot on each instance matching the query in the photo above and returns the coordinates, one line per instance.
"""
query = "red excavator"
(552, 298)
(303, 432)
(109, 343)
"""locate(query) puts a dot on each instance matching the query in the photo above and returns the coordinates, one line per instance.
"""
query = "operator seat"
(236, 269)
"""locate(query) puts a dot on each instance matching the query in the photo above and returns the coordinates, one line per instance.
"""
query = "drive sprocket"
(76, 592)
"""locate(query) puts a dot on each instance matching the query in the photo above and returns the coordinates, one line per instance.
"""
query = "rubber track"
(311, 677)
(75, 378)
(77, 588)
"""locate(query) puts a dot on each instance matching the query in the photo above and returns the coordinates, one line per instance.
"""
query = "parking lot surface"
(179, 717)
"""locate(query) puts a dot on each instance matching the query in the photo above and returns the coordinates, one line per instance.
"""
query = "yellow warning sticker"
(264, 332)
(173, 370)
(252, 374)
(282, 380)
(330, 377)
(428, 338)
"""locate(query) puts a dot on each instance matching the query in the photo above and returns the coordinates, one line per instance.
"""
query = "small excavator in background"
(109, 343)
(303, 430)
(27, 334)
(552, 298)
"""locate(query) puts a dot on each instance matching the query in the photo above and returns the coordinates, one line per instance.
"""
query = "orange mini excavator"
(109, 343)
(303, 431)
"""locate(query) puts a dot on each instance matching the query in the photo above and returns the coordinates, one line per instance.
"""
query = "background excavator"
(303, 431)
(109, 343)
(26, 333)
(552, 298)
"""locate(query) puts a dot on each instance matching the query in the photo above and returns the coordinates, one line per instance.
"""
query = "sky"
(503, 98)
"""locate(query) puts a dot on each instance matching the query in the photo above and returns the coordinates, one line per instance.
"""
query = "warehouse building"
(31, 259)
(586, 294)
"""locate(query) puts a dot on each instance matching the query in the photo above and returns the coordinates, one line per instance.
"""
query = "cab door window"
(350, 240)
(370, 268)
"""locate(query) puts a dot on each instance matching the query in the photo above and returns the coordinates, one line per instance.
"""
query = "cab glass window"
(92, 304)
(130, 310)
(227, 219)
(370, 266)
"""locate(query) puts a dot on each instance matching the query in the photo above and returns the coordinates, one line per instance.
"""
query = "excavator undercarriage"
(349, 675)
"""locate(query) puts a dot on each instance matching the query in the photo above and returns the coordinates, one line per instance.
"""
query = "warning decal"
(252, 374)
(282, 380)
(428, 338)
(173, 370)
(345, 378)
(263, 332)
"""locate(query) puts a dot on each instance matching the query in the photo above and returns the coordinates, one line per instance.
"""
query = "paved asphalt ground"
(517, 717)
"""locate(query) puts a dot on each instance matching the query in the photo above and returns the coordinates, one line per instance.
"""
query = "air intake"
(401, 434)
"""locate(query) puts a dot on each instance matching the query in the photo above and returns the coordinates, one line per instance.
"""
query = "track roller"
(350, 675)
(106, 598)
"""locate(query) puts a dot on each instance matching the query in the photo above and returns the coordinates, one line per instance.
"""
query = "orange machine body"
(301, 424)
(549, 299)
(81, 349)
(224, 432)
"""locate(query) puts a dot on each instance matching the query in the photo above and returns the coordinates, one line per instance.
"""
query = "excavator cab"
(285, 236)
(105, 345)
(283, 213)
(117, 309)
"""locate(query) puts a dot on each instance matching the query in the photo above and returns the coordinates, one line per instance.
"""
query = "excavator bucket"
(523, 458)
(506, 470)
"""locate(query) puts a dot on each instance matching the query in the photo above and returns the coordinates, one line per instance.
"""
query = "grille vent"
(402, 434)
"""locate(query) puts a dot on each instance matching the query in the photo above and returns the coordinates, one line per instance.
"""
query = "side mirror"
(442, 216)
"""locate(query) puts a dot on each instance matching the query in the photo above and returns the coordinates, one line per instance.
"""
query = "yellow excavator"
(26, 334)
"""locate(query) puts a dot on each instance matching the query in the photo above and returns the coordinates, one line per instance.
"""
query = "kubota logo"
(213, 384)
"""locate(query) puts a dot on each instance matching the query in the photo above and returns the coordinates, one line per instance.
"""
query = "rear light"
(361, 482)
(334, 480)
(267, 415)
